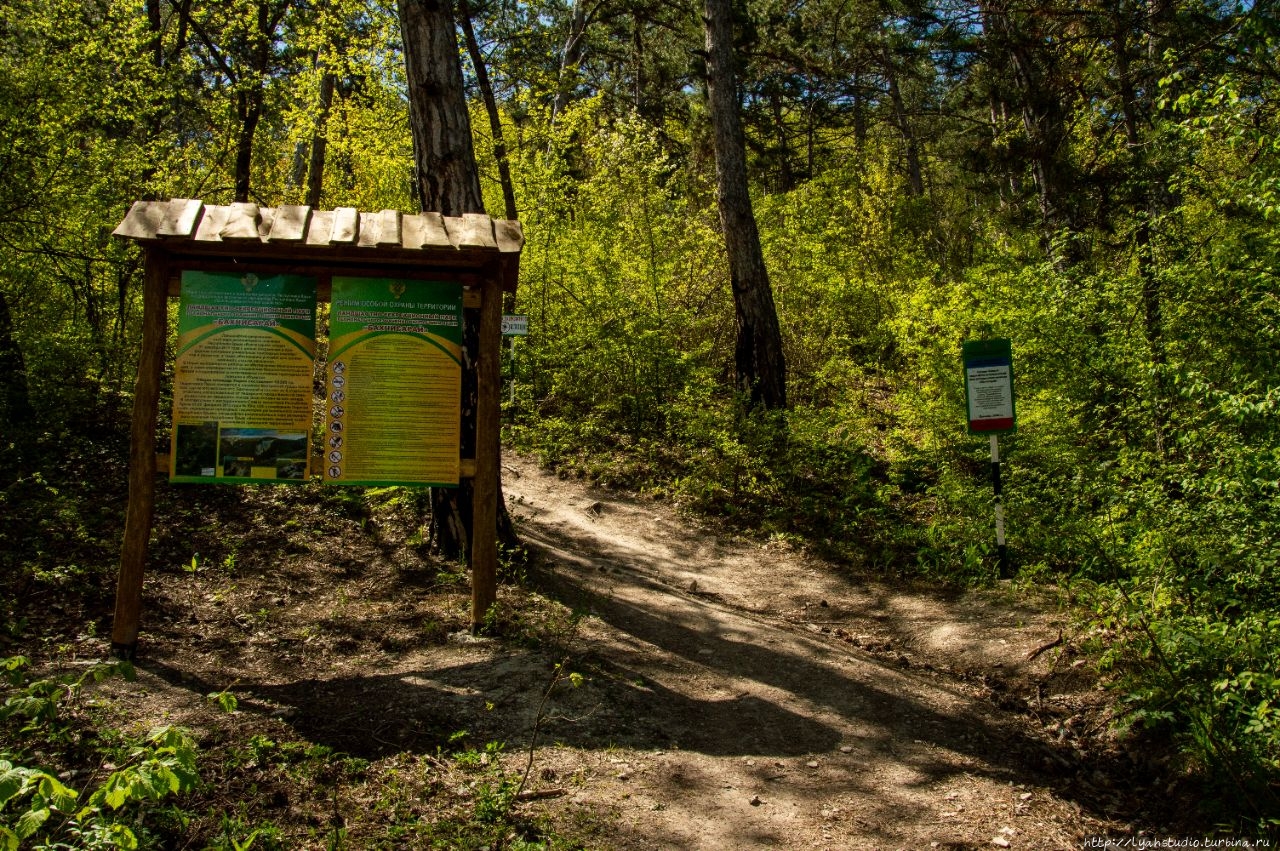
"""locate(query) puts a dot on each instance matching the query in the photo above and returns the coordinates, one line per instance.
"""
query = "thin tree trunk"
(1031, 65)
(155, 23)
(491, 109)
(637, 62)
(249, 107)
(1144, 209)
(759, 361)
(786, 176)
(859, 114)
(570, 57)
(17, 396)
(184, 25)
(320, 142)
(909, 138)
(249, 103)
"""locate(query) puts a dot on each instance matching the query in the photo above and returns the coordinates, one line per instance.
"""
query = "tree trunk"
(914, 174)
(249, 108)
(786, 175)
(448, 182)
(491, 109)
(320, 142)
(859, 115)
(156, 24)
(17, 397)
(250, 101)
(444, 160)
(1144, 207)
(759, 361)
(570, 57)
(1018, 48)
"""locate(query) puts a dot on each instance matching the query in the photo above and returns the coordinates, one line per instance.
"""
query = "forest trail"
(757, 698)
(734, 693)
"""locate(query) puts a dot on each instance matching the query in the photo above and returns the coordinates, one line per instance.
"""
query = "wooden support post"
(484, 529)
(142, 456)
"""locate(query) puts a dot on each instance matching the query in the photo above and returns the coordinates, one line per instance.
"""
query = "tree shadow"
(928, 724)
(497, 699)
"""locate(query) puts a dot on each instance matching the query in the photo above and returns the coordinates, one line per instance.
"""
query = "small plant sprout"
(225, 699)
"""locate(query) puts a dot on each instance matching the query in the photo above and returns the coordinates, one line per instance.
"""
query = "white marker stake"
(1002, 552)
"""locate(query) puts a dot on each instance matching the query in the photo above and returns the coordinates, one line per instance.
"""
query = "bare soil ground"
(735, 693)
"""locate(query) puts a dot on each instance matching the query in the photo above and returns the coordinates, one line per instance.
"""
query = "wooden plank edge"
(509, 235)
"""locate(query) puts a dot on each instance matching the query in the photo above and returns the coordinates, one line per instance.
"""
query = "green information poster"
(394, 383)
(242, 393)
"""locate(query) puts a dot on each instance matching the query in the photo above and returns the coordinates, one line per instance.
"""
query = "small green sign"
(988, 386)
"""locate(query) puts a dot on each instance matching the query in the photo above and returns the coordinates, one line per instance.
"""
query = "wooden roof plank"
(471, 230)
(346, 225)
(425, 231)
(370, 227)
(242, 223)
(140, 222)
(509, 235)
(266, 221)
(212, 223)
(320, 229)
(290, 224)
(388, 228)
(180, 217)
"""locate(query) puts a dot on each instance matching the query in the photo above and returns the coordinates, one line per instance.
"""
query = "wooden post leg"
(142, 457)
(484, 530)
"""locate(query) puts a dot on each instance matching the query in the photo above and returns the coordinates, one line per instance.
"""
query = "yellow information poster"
(394, 383)
(242, 393)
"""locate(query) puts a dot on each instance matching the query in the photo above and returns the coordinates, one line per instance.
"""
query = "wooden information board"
(233, 429)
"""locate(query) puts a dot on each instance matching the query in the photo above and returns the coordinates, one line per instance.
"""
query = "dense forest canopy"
(1098, 182)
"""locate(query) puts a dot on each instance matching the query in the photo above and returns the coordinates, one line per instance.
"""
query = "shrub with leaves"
(38, 810)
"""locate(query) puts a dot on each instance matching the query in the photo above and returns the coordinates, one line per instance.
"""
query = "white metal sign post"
(988, 391)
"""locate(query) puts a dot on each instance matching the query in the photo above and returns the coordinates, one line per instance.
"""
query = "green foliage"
(37, 808)
(40, 701)
(616, 279)
(42, 794)
(1135, 269)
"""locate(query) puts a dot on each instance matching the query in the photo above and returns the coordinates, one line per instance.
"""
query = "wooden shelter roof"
(337, 241)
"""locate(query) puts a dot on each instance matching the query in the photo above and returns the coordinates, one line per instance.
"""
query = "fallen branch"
(1045, 647)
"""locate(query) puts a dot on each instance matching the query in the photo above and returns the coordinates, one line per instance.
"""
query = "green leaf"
(116, 791)
(8, 839)
(54, 792)
(162, 780)
(225, 699)
(12, 668)
(31, 821)
(123, 837)
(11, 782)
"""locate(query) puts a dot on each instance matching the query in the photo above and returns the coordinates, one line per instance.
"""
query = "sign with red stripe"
(988, 386)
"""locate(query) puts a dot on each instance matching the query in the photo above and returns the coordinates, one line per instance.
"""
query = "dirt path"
(760, 699)
(735, 695)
